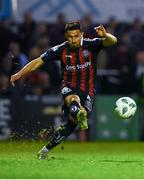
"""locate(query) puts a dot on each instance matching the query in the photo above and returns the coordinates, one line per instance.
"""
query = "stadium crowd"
(120, 68)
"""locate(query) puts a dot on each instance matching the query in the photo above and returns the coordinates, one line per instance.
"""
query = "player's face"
(74, 38)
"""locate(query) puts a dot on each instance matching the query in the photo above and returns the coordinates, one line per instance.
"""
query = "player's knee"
(75, 98)
(74, 108)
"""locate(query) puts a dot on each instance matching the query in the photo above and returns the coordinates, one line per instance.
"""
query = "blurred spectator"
(102, 60)
(53, 70)
(112, 25)
(139, 75)
(34, 53)
(38, 83)
(124, 64)
(45, 83)
(41, 32)
(136, 34)
(6, 36)
(43, 44)
(19, 59)
(102, 66)
(5, 89)
(26, 30)
(6, 65)
(88, 26)
(56, 31)
(13, 60)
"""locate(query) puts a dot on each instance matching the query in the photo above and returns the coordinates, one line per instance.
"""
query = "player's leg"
(62, 133)
(77, 112)
(65, 130)
(84, 107)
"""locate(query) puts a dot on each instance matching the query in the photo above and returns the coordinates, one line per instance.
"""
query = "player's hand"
(14, 78)
(101, 31)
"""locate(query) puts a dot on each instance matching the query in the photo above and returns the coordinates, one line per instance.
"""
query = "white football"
(125, 107)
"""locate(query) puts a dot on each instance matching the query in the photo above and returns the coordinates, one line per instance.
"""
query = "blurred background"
(32, 108)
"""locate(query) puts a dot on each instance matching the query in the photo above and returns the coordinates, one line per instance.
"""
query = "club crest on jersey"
(85, 53)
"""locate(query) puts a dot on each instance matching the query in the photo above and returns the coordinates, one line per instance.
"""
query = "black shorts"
(86, 100)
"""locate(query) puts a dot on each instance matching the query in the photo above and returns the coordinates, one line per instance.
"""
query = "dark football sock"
(62, 133)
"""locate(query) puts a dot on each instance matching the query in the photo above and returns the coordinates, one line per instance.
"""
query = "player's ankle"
(45, 149)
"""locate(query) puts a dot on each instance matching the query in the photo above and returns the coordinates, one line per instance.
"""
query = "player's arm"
(108, 39)
(31, 66)
(52, 54)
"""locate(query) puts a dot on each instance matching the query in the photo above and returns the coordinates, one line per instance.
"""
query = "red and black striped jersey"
(78, 66)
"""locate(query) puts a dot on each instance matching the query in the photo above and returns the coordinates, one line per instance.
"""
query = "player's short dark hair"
(73, 26)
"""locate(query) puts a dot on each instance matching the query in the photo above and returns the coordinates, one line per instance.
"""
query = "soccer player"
(78, 65)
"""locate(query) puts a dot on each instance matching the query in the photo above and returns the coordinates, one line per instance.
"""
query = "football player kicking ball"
(78, 64)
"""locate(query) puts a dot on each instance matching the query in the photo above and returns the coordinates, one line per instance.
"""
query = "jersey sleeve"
(52, 54)
(97, 44)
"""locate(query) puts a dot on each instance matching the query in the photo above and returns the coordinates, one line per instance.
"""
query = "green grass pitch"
(73, 160)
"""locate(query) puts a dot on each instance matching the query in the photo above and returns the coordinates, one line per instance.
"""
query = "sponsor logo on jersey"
(78, 67)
